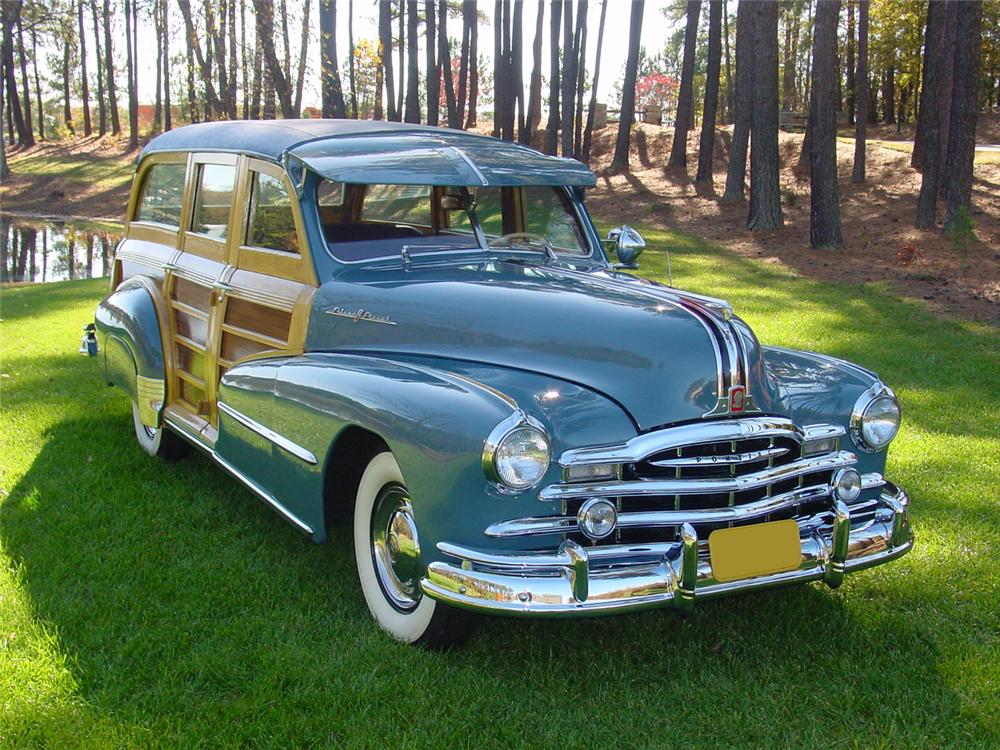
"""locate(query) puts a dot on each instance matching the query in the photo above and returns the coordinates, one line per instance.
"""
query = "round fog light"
(597, 518)
(847, 485)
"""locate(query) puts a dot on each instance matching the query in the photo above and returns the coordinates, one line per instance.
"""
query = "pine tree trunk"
(67, 109)
(102, 112)
(473, 113)
(685, 98)
(433, 71)
(38, 84)
(729, 68)
(350, 59)
(861, 119)
(385, 55)
(552, 128)
(588, 133)
(300, 76)
(499, 95)
(517, 68)
(706, 146)
(824, 192)
(265, 37)
(964, 108)
(257, 94)
(463, 58)
(568, 82)
(158, 108)
(25, 90)
(889, 96)
(233, 92)
(402, 57)
(331, 91)
(619, 163)
(580, 42)
(130, 59)
(742, 119)
(765, 195)
(191, 96)
(244, 60)
(84, 83)
(851, 80)
(943, 102)
(212, 101)
(534, 117)
(412, 113)
(444, 62)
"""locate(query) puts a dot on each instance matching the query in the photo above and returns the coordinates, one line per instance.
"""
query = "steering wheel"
(526, 238)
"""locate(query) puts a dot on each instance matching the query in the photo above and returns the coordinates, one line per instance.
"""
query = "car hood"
(657, 352)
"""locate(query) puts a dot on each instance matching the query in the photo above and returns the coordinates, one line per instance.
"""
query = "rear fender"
(130, 333)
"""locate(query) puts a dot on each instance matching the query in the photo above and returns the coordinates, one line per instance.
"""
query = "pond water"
(44, 250)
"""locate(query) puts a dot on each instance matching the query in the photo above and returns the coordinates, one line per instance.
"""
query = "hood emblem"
(736, 401)
(360, 315)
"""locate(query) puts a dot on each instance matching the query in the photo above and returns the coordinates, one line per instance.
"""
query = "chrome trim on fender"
(249, 483)
(260, 492)
(266, 432)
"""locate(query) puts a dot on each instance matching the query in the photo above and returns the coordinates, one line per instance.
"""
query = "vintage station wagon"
(417, 331)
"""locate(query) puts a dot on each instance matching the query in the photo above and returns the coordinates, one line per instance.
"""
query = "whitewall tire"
(387, 553)
(156, 441)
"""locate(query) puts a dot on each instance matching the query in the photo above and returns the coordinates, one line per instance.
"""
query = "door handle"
(219, 291)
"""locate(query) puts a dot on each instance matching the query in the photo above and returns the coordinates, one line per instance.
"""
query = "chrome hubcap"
(395, 548)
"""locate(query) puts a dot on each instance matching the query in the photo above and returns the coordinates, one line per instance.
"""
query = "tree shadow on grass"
(187, 609)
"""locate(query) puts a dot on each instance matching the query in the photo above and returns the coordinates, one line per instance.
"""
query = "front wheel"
(387, 552)
(157, 441)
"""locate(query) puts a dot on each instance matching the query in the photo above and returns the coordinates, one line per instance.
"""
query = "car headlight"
(517, 452)
(875, 419)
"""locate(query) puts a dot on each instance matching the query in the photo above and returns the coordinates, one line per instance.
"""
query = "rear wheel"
(157, 441)
(387, 552)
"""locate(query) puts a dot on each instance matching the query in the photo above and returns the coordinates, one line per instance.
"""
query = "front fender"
(129, 332)
(814, 388)
(434, 422)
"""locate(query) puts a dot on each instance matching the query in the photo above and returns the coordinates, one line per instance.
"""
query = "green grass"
(146, 604)
(101, 173)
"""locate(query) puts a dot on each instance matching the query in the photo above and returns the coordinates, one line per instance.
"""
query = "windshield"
(365, 222)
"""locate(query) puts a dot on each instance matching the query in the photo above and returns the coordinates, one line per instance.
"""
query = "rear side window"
(162, 194)
(272, 224)
(404, 204)
(215, 197)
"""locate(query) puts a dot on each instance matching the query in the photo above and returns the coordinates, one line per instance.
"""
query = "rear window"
(404, 204)
(271, 224)
(162, 193)
(214, 199)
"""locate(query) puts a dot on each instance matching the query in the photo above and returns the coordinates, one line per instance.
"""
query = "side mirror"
(629, 245)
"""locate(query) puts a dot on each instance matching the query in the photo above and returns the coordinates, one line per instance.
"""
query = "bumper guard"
(578, 581)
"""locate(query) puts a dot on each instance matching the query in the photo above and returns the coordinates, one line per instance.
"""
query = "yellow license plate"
(759, 550)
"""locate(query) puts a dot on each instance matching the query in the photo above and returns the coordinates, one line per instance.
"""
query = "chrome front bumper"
(578, 581)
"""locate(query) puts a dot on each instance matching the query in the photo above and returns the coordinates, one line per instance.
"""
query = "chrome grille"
(711, 475)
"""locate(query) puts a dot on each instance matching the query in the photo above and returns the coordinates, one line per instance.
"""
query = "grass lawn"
(146, 604)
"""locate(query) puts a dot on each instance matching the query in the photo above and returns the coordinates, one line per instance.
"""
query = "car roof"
(365, 151)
